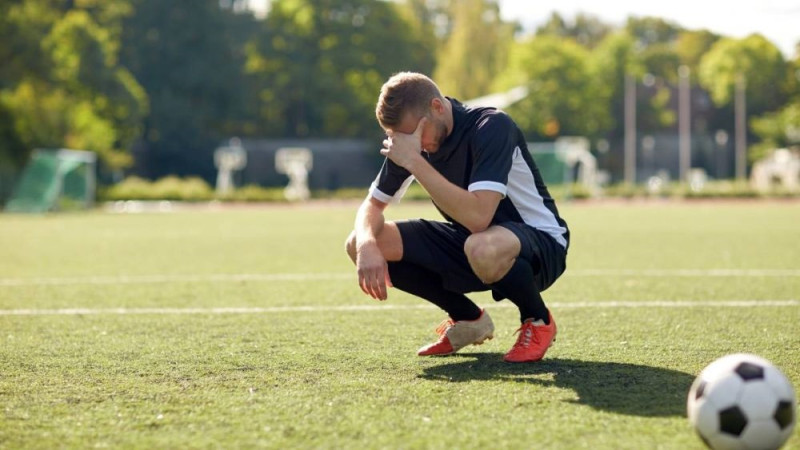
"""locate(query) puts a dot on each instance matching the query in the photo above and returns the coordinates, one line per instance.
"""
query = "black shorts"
(439, 247)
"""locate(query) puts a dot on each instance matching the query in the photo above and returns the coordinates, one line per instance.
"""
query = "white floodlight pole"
(740, 108)
(630, 129)
(684, 123)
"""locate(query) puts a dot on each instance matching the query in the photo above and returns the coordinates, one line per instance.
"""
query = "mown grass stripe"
(387, 307)
(189, 278)
(687, 272)
(228, 278)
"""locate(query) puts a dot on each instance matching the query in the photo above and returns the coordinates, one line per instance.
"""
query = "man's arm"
(373, 273)
(474, 210)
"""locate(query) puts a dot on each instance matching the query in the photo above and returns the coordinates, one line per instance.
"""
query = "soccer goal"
(55, 180)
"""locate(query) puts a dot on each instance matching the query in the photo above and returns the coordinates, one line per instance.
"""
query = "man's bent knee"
(389, 241)
(491, 253)
(350, 246)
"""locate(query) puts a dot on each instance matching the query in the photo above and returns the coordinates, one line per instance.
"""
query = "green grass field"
(245, 328)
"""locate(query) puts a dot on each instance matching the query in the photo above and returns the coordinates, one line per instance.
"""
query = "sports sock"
(424, 283)
(518, 286)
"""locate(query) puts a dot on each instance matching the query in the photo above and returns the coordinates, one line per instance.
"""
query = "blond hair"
(402, 93)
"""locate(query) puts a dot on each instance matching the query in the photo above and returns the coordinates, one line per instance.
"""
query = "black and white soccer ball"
(742, 401)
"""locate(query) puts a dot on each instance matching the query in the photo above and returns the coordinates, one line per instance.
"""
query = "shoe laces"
(442, 328)
(527, 333)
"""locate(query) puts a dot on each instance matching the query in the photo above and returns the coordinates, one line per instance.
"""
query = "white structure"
(574, 151)
(227, 159)
(781, 168)
(295, 163)
(501, 99)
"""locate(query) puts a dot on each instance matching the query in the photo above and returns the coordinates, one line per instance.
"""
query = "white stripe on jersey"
(386, 198)
(529, 203)
(488, 186)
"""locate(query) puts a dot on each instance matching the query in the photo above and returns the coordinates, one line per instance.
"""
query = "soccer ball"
(742, 402)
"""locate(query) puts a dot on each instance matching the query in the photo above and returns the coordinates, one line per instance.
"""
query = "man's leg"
(505, 260)
(415, 279)
(495, 257)
(423, 283)
(410, 270)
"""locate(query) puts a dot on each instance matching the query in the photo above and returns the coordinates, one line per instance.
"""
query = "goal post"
(55, 180)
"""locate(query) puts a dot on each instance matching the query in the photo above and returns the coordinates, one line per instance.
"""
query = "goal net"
(55, 180)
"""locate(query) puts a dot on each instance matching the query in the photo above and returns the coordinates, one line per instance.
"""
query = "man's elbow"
(478, 224)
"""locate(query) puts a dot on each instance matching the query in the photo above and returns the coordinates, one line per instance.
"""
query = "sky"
(777, 20)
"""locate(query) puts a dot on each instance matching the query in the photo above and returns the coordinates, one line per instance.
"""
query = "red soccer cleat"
(533, 341)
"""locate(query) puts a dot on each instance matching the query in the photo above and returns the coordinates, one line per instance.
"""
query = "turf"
(653, 293)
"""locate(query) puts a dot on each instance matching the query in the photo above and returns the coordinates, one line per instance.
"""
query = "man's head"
(406, 98)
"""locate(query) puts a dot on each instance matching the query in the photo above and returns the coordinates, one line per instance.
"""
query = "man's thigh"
(439, 247)
(390, 242)
(547, 257)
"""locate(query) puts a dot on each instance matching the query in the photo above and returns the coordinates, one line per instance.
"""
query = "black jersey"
(485, 151)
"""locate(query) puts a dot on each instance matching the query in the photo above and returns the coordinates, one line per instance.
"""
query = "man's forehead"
(407, 125)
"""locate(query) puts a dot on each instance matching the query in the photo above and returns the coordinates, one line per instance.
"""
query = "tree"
(776, 130)
(586, 29)
(475, 50)
(649, 31)
(318, 65)
(781, 128)
(754, 57)
(613, 59)
(564, 98)
(109, 103)
(691, 45)
(189, 57)
(63, 86)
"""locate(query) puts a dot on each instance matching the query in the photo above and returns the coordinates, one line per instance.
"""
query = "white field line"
(262, 277)
(389, 307)
(686, 272)
(155, 279)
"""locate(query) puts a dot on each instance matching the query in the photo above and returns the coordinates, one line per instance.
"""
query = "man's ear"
(437, 105)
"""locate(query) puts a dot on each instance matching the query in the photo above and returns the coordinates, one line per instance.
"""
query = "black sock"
(518, 286)
(424, 283)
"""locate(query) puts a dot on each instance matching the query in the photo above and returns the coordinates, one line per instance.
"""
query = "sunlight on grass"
(617, 376)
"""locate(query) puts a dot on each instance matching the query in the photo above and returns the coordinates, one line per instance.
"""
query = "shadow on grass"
(617, 387)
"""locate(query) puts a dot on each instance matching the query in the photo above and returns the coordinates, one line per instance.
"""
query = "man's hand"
(373, 271)
(404, 149)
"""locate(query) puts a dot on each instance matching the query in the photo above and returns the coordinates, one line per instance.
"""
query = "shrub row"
(195, 189)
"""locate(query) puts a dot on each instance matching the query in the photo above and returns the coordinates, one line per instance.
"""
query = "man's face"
(434, 131)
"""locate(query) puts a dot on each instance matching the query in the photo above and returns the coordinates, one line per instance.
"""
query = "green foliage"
(13, 151)
(652, 31)
(340, 194)
(611, 60)
(691, 45)
(717, 189)
(475, 51)
(189, 58)
(586, 30)
(658, 60)
(168, 188)
(66, 88)
(174, 79)
(253, 193)
(317, 66)
(756, 59)
(661, 61)
(776, 130)
(564, 95)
